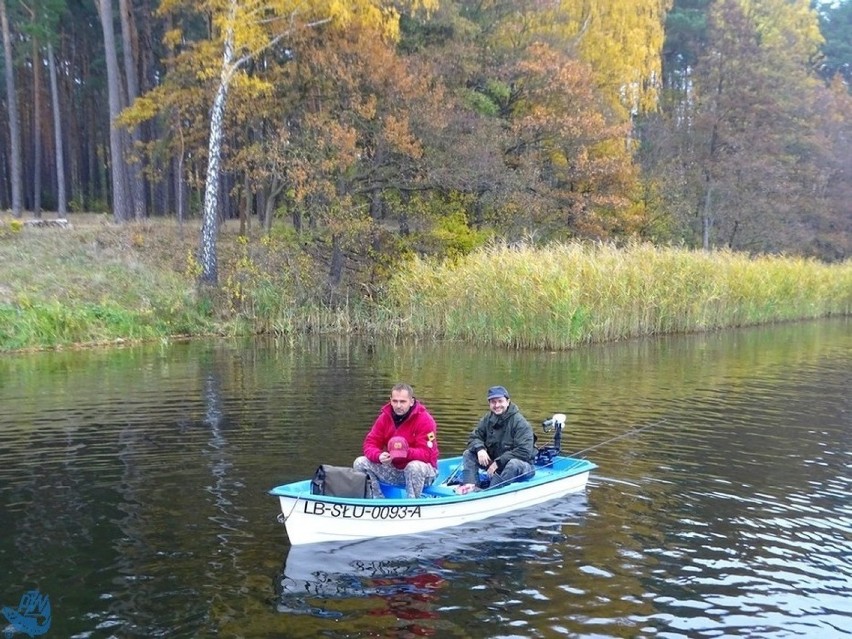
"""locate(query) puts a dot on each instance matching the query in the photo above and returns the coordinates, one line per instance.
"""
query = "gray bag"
(341, 481)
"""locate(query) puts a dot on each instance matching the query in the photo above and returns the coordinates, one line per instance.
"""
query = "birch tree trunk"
(210, 222)
(230, 65)
(14, 117)
(61, 197)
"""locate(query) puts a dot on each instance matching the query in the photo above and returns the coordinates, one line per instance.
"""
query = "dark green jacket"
(505, 437)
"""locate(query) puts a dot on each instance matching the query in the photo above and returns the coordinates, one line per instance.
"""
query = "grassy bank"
(101, 283)
(91, 285)
(570, 294)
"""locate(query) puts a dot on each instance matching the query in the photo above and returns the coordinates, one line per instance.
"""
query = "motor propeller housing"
(554, 423)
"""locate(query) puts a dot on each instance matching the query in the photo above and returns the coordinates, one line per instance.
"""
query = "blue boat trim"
(560, 468)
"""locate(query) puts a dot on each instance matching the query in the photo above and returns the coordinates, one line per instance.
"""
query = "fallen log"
(39, 223)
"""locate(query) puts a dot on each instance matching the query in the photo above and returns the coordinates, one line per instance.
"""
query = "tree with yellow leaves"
(242, 30)
(622, 41)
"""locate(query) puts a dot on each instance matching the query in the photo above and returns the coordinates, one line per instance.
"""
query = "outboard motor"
(545, 454)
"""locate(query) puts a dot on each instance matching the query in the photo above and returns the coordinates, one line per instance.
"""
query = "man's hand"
(384, 457)
(483, 458)
(491, 469)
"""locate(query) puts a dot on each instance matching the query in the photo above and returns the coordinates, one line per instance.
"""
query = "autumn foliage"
(367, 131)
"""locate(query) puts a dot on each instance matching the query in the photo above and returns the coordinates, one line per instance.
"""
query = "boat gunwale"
(579, 467)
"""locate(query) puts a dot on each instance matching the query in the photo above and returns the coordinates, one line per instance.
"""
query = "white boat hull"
(316, 518)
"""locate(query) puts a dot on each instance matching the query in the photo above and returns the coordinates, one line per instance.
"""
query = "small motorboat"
(311, 518)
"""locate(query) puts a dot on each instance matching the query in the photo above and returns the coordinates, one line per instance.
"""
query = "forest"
(362, 130)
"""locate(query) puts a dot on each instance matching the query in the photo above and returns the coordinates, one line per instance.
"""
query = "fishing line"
(617, 437)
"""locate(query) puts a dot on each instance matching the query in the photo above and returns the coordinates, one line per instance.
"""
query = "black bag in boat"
(340, 481)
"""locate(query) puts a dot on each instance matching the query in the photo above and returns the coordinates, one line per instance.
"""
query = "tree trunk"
(130, 48)
(94, 186)
(177, 160)
(269, 205)
(36, 129)
(706, 219)
(180, 187)
(4, 174)
(210, 223)
(335, 271)
(733, 234)
(268, 209)
(120, 203)
(61, 198)
(16, 164)
(260, 203)
(245, 209)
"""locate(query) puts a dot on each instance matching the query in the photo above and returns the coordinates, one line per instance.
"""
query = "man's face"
(498, 405)
(401, 401)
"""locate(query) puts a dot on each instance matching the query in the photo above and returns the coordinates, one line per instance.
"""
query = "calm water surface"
(133, 490)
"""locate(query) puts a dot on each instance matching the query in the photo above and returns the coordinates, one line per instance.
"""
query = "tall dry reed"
(573, 293)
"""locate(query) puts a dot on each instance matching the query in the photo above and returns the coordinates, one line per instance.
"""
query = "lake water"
(133, 490)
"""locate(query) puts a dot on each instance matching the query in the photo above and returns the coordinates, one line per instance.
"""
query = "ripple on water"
(132, 489)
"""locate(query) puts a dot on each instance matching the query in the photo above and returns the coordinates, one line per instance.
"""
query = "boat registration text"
(348, 511)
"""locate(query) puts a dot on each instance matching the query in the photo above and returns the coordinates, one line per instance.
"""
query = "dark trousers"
(514, 470)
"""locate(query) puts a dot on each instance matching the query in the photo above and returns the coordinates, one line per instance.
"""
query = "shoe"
(464, 489)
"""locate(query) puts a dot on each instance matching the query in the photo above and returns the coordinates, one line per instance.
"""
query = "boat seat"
(391, 491)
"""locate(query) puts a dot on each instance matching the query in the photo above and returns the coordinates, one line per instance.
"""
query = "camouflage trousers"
(414, 476)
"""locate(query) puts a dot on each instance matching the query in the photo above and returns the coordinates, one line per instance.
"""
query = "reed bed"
(568, 294)
(100, 283)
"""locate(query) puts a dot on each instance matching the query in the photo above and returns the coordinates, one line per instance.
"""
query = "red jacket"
(419, 429)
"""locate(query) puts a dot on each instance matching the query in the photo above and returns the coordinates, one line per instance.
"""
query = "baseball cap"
(398, 447)
(497, 391)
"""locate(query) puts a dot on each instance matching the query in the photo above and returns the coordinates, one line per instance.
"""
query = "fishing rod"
(549, 452)
(556, 423)
(544, 455)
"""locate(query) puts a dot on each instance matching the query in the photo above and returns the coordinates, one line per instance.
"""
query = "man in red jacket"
(401, 448)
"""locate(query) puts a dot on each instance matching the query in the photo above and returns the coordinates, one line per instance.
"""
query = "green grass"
(92, 286)
(101, 283)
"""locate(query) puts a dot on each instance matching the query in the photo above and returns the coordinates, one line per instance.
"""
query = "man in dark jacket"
(502, 443)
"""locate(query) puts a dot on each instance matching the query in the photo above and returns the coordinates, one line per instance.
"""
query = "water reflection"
(409, 579)
(133, 490)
